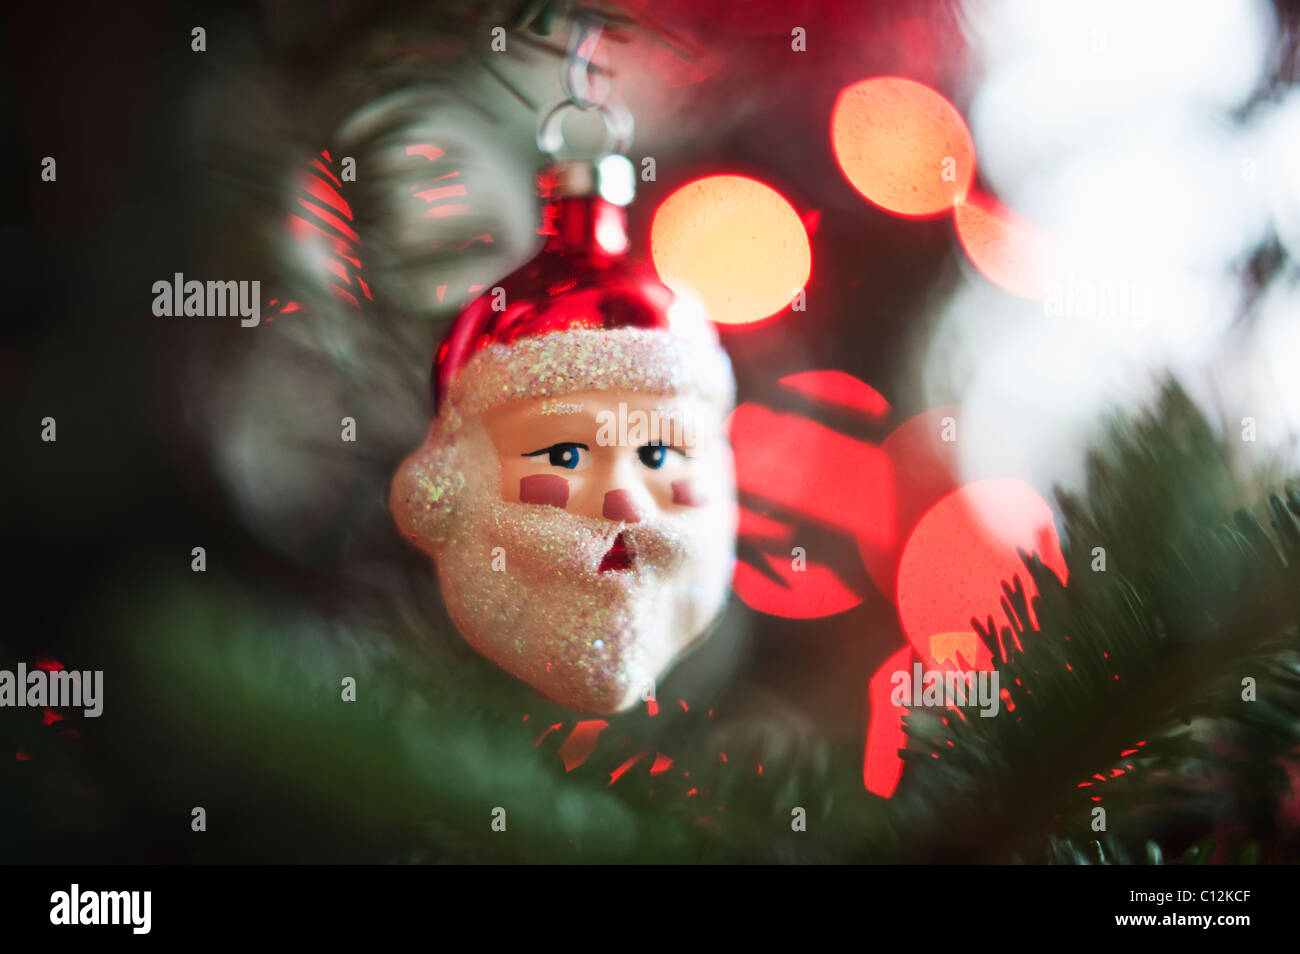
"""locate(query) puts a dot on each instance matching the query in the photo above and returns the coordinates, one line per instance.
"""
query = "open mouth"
(619, 556)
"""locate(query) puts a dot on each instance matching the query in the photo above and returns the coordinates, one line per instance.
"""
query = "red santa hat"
(579, 317)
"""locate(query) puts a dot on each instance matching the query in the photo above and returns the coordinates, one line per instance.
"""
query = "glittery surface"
(560, 407)
(581, 360)
(426, 486)
(522, 581)
(592, 641)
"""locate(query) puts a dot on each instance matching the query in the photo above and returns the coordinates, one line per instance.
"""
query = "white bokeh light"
(1114, 128)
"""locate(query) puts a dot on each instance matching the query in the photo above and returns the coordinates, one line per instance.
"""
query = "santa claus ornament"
(576, 488)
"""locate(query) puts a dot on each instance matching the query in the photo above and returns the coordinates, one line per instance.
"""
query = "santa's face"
(593, 540)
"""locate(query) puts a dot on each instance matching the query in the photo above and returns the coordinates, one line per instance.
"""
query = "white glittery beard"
(594, 642)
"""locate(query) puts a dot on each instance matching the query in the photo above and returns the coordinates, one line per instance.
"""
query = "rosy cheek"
(686, 494)
(551, 489)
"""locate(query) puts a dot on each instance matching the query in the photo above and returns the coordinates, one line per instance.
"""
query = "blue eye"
(652, 455)
(565, 454)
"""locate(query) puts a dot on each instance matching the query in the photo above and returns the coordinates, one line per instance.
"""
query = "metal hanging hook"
(588, 88)
(618, 128)
(582, 85)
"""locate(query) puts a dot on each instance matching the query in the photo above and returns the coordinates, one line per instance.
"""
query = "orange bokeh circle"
(736, 242)
(902, 145)
(1007, 250)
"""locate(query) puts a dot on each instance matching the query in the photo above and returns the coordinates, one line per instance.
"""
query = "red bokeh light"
(881, 765)
(838, 391)
(954, 563)
(802, 478)
(577, 748)
(810, 470)
(810, 593)
(1007, 250)
(923, 468)
(805, 473)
